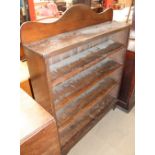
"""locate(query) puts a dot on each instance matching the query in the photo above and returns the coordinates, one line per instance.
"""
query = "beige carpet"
(113, 135)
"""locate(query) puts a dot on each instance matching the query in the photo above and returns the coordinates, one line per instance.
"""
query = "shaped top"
(76, 17)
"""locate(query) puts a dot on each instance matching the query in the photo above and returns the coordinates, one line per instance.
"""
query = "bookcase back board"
(76, 71)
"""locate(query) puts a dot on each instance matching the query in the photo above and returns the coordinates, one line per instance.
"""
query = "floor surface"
(113, 135)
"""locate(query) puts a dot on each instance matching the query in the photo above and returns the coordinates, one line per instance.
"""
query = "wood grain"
(69, 80)
(79, 106)
(38, 130)
(64, 42)
(65, 95)
(128, 83)
(39, 80)
(86, 123)
(85, 17)
(85, 62)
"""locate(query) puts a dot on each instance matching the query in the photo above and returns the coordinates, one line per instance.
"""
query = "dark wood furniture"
(76, 67)
(86, 2)
(38, 130)
(22, 56)
(127, 89)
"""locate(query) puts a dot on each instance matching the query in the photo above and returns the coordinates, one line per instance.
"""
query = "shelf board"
(84, 110)
(75, 132)
(64, 93)
(61, 74)
(57, 44)
(83, 102)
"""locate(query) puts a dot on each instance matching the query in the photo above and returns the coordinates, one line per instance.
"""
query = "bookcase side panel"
(38, 76)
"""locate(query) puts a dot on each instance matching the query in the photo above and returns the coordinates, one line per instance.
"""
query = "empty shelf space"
(75, 64)
(76, 50)
(55, 44)
(82, 107)
(84, 100)
(85, 122)
(70, 89)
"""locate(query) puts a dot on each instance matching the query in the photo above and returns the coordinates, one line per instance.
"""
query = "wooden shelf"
(82, 102)
(85, 123)
(75, 69)
(63, 42)
(82, 109)
(94, 56)
(70, 89)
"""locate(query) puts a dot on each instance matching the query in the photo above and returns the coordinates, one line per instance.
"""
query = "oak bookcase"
(76, 67)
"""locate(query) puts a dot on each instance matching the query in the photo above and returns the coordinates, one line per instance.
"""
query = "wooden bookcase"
(76, 68)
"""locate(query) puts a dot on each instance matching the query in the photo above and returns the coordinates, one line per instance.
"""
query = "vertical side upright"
(38, 73)
(39, 79)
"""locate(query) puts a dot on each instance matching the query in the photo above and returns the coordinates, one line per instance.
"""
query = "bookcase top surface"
(69, 40)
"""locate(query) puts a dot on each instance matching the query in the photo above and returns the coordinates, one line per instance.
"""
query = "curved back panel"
(78, 16)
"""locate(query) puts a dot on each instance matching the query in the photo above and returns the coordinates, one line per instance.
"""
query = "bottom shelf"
(83, 126)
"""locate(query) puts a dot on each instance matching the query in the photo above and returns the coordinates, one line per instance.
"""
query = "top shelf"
(65, 41)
